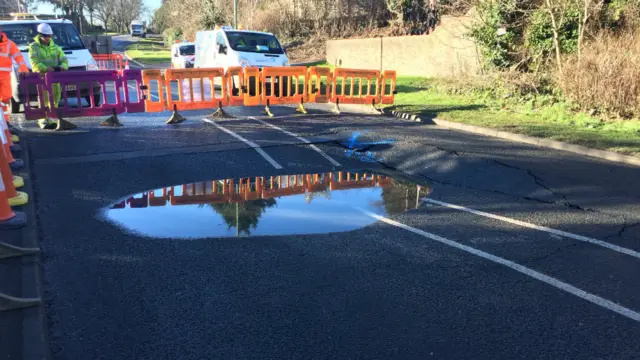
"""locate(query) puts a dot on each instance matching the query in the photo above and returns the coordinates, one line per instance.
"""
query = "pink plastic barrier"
(32, 85)
(133, 97)
(101, 90)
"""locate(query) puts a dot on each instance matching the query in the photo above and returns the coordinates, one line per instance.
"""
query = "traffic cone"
(8, 218)
(14, 164)
(4, 127)
(14, 197)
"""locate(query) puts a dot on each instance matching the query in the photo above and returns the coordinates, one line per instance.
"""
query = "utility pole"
(235, 14)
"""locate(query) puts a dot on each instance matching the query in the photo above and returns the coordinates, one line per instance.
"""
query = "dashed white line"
(255, 146)
(607, 304)
(312, 146)
(565, 234)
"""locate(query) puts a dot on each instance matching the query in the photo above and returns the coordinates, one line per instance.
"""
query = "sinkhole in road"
(299, 204)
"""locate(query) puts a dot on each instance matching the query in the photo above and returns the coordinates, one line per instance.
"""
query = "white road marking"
(255, 146)
(607, 304)
(312, 146)
(565, 234)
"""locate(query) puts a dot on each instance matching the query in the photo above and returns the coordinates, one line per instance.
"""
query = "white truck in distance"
(138, 28)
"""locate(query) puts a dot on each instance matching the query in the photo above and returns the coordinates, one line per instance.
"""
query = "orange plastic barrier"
(356, 87)
(387, 87)
(347, 180)
(155, 200)
(319, 83)
(235, 86)
(284, 85)
(252, 86)
(153, 102)
(109, 61)
(196, 88)
(197, 193)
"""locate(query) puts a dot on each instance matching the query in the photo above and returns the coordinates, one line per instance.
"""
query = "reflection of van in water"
(66, 36)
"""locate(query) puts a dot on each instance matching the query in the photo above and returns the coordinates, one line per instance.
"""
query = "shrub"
(170, 35)
(607, 75)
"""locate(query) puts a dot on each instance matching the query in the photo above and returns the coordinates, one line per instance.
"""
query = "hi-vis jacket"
(8, 53)
(45, 56)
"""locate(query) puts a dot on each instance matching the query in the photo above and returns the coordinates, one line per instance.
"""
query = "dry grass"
(607, 76)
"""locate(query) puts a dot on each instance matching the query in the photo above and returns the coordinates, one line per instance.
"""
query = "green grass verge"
(103, 33)
(552, 121)
(149, 52)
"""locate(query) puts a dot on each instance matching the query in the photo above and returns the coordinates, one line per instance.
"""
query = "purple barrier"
(91, 86)
(32, 85)
(133, 97)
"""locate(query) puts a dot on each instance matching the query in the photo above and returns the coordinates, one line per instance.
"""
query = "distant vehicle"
(138, 28)
(22, 28)
(225, 47)
(183, 55)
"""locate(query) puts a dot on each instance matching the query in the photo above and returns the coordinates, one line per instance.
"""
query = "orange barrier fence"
(109, 61)
(284, 85)
(153, 90)
(387, 87)
(252, 86)
(235, 86)
(352, 86)
(319, 82)
(119, 90)
(196, 88)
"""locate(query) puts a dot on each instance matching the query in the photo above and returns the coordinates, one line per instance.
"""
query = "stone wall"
(445, 52)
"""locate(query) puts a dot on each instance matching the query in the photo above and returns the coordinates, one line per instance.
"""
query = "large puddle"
(277, 205)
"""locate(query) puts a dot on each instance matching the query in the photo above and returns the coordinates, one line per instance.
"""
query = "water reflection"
(288, 204)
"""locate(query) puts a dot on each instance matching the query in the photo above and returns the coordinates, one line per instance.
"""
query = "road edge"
(546, 143)
(134, 61)
(35, 340)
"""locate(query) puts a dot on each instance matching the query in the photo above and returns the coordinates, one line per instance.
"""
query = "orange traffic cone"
(14, 164)
(4, 126)
(8, 218)
(14, 197)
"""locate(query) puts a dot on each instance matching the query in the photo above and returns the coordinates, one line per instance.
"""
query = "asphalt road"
(547, 270)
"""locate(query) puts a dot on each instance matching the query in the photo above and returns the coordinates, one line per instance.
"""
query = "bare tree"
(589, 8)
(105, 12)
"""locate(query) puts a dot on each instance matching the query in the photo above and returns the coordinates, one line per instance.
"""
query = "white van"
(225, 47)
(138, 28)
(22, 31)
(182, 55)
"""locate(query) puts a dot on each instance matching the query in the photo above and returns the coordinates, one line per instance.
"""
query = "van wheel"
(15, 106)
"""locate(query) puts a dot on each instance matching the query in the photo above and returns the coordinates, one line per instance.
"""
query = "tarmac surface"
(518, 252)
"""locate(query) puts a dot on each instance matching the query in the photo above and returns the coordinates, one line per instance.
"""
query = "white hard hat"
(45, 29)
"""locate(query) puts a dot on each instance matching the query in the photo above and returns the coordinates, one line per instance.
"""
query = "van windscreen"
(253, 42)
(187, 50)
(64, 35)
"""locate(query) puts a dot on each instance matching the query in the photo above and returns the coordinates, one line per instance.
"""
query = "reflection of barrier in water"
(276, 205)
(254, 188)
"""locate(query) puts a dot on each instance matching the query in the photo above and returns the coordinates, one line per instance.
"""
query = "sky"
(47, 8)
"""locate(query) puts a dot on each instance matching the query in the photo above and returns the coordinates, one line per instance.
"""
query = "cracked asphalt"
(379, 292)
